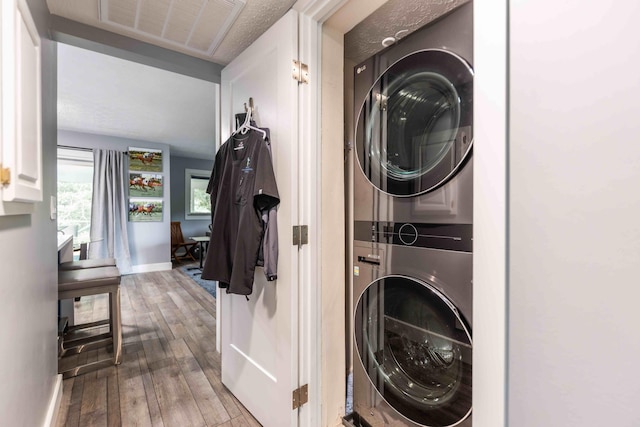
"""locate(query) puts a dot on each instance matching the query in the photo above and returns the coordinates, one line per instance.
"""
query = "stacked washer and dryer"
(412, 250)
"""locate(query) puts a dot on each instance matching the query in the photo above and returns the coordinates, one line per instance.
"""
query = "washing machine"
(412, 294)
(412, 332)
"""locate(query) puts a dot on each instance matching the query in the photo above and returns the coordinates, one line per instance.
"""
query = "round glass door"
(416, 350)
(415, 127)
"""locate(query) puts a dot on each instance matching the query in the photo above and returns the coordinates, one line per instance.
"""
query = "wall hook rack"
(250, 108)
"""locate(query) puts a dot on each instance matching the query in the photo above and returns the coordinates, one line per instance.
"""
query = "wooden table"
(201, 240)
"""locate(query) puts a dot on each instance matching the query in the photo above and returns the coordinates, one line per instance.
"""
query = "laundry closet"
(412, 292)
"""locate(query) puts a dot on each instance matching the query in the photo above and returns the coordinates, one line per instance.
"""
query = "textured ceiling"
(196, 25)
(105, 95)
(365, 39)
(186, 26)
(100, 94)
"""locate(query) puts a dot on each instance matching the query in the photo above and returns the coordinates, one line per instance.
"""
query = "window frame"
(189, 174)
(72, 156)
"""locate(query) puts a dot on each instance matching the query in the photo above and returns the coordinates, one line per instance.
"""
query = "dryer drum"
(415, 127)
(422, 114)
(415, 349)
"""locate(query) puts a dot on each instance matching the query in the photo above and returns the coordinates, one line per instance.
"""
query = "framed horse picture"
(145, 210)
(145, 185)
(145, 159)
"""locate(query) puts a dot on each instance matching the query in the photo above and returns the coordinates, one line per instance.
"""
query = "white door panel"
(259, 337)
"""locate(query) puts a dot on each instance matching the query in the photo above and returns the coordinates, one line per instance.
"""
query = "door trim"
(312, 15)
(490, 213)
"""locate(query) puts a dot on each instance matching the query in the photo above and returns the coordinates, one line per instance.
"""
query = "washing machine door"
(416, 350)
(415, 127)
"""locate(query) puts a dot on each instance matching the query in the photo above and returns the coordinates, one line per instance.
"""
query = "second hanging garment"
(243, 190)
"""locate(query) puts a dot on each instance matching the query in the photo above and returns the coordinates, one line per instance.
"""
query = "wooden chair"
(178, 241)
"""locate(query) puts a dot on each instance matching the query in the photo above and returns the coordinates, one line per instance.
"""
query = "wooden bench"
(87, 263)
(78, 338)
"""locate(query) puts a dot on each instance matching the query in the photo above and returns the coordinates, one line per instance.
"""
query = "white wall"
(332, 249)
(574, 209)
(28, 280)
(149, 242)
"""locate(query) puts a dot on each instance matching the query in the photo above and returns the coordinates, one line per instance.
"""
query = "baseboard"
(148, 268)
(54, 404)
(218, 323)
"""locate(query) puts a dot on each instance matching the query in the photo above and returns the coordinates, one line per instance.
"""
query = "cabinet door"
(21, 152)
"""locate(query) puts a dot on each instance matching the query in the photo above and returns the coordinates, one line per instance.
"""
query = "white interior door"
(259, 337)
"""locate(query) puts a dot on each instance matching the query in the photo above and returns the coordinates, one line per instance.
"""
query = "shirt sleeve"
(214, 181)
(265, 193)
(270, 244)
(266, 201)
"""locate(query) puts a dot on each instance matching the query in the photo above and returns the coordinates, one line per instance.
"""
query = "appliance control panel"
(453, 237)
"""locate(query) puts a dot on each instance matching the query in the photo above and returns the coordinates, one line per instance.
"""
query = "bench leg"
(116, 325)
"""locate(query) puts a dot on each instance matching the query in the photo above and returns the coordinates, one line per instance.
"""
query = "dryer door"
(416, 350)
(415, 127)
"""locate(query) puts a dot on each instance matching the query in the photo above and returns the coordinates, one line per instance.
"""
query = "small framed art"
(145, 159)
(145, 210)
(145, 185)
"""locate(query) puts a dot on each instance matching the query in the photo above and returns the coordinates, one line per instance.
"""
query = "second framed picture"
(145, 185)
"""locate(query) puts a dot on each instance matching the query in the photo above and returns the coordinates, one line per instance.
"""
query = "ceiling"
(394, 20)
(101, 94)
(104, 95)
(213, 30)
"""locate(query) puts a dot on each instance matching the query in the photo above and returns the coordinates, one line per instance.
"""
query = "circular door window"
(415, 127)
(416, 350)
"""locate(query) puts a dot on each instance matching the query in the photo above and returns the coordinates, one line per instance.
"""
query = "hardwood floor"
(170, 372)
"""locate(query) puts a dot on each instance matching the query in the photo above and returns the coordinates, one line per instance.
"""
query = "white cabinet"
(20, 108)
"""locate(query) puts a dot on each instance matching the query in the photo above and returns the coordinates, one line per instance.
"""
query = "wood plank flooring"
(170, 371)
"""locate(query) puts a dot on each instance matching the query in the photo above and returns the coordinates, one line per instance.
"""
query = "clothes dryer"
(414, 127)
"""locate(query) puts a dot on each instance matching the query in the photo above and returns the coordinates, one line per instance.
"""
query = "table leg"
(201, 254)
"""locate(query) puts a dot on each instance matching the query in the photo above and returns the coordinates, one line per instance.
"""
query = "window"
(75, 188)
(197, 202)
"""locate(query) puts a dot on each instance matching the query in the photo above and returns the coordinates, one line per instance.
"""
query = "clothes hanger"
(247, 121)
(246, 125)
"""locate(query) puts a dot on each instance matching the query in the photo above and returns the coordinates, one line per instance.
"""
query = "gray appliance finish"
(412, 294)
(413, 104)
(412, 343)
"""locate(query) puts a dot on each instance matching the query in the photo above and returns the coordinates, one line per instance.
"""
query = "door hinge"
(300, 396)
(300, 235)
(300, 72)
(5, 175)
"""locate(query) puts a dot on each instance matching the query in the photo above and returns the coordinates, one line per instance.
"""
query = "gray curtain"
(109, 209)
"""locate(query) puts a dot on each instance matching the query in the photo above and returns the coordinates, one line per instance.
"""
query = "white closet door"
(259, 337)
